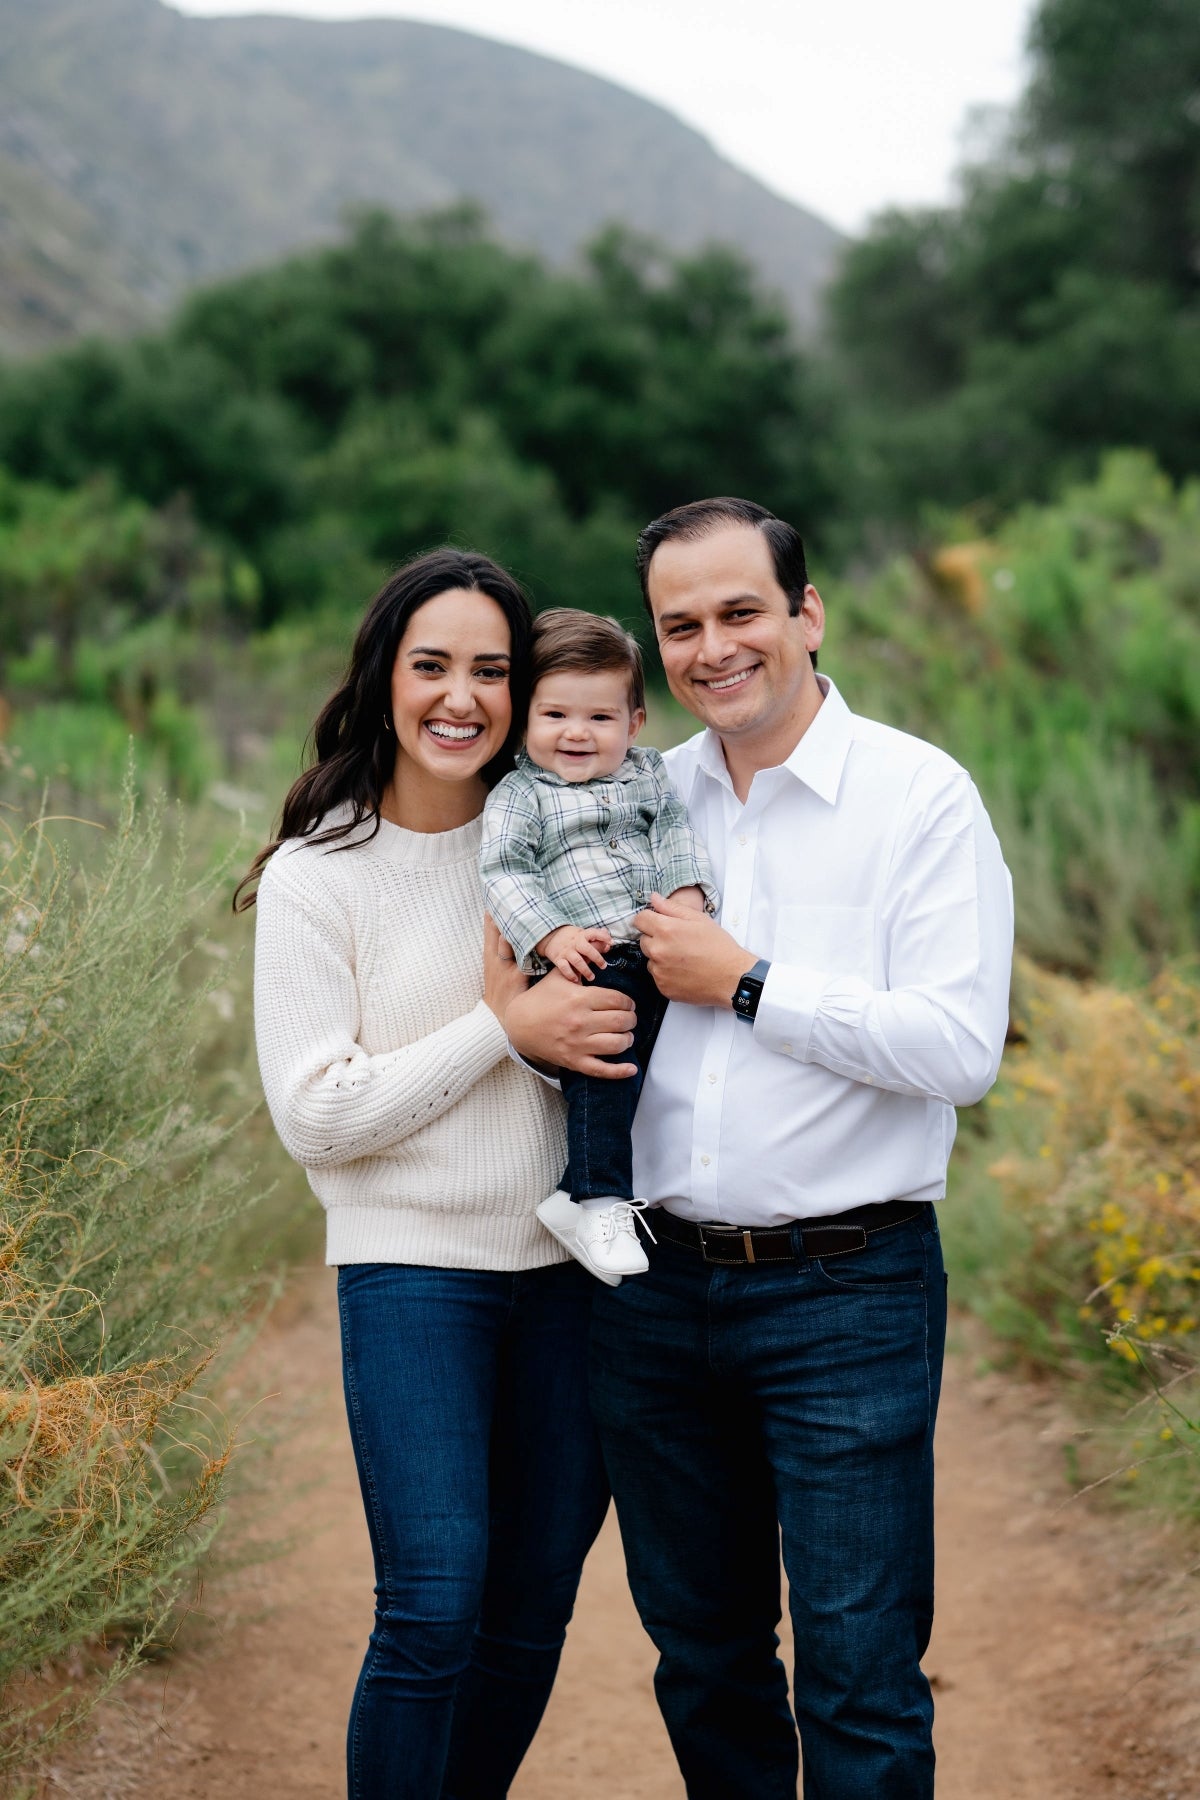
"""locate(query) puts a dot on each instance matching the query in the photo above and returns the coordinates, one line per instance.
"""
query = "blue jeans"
(600, 1113)
(484, 1488)
(797, 1397)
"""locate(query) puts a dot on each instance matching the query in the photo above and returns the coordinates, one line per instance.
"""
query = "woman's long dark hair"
(353, 746)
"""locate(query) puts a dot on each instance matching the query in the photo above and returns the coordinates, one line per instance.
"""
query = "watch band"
(748, 991)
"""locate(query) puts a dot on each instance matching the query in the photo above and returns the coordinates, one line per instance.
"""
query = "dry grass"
(112, 1452)
(1075, 1231)
(1100, 1111)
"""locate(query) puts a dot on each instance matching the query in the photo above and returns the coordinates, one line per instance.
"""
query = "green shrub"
(1060, 662)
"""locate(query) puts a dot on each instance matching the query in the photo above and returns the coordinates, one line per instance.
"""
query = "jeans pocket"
(893, 1262)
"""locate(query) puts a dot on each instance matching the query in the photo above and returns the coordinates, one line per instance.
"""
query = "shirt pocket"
(840, 940)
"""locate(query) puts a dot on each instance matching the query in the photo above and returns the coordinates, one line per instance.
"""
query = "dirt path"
(1050, 1662)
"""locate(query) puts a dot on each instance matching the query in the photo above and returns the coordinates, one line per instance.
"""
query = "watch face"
(748, 991)
(745, 999)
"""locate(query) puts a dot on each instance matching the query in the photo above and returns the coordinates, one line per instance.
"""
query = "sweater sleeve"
(332, 1102)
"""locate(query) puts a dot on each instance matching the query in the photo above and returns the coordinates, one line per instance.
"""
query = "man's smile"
(721, 684)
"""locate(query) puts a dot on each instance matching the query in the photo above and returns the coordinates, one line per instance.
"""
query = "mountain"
(142, 152)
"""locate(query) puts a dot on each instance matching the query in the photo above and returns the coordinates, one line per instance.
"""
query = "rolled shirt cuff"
(523, 1062)
(788, 1007)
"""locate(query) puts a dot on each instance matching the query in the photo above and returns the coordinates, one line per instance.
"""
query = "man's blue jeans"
(797, 1397)
(484, 1488)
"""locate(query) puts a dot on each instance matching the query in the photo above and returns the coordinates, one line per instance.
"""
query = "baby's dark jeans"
(600, 1113)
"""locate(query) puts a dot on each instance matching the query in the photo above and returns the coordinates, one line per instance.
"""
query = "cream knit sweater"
(386, 1075)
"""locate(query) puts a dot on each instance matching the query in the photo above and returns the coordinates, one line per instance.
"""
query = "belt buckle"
(728, 1232)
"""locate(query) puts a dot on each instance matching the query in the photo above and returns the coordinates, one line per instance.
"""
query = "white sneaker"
(603, 1240)
(560, 1215)
(608, 1243)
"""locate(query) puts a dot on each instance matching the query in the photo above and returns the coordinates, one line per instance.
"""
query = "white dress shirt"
(866, 870)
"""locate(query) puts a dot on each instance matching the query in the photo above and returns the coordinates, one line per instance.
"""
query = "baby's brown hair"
(565, 638)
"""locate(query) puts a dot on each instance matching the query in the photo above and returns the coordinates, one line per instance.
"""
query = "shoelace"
(622, 1217)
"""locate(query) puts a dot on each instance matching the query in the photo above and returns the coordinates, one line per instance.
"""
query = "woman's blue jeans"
(481, 1476)
(794, 1400)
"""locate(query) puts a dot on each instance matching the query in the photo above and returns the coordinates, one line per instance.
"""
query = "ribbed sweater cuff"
(465, 1238)
(487, 1043)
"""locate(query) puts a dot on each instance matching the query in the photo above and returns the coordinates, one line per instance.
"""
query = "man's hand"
(575, 950)
(569, 1025)
(690, 957)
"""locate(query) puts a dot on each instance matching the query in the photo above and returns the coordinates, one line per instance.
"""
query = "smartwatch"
(748, 992)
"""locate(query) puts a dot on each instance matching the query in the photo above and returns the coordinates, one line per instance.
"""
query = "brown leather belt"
(840, 1234)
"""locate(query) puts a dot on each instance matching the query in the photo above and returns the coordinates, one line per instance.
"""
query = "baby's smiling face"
(581, 724)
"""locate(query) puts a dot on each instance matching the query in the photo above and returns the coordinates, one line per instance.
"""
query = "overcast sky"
(844, 105)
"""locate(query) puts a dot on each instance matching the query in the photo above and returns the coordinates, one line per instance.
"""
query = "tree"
(1115, 98)
(993, 349)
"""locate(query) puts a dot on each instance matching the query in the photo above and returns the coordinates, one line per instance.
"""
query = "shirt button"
(741, 837)
(706, 1160)
(786, 1048)
(612, 843)
(712, 1078)
(736, 919)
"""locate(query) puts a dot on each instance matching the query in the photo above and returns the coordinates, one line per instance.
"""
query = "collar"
(525, 763)
(817, 760)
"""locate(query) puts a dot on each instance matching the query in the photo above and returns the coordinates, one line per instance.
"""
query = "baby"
(575, 841)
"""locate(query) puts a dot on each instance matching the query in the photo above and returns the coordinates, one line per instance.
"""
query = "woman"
(383, 1019)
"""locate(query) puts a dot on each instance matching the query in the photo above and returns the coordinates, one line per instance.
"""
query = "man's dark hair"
(586, 643)
(699, 517)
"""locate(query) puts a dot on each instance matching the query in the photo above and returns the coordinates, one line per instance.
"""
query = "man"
(776, 1373)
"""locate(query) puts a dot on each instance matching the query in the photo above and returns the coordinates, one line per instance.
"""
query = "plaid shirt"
(561, 852)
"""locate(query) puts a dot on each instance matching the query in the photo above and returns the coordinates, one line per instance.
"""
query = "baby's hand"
(691, 897)
(575, 949)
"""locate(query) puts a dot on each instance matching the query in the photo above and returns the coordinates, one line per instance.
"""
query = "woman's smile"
(447, 733)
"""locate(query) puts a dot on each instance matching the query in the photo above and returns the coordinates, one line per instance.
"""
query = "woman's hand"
(503, 979)
(571, 1025)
